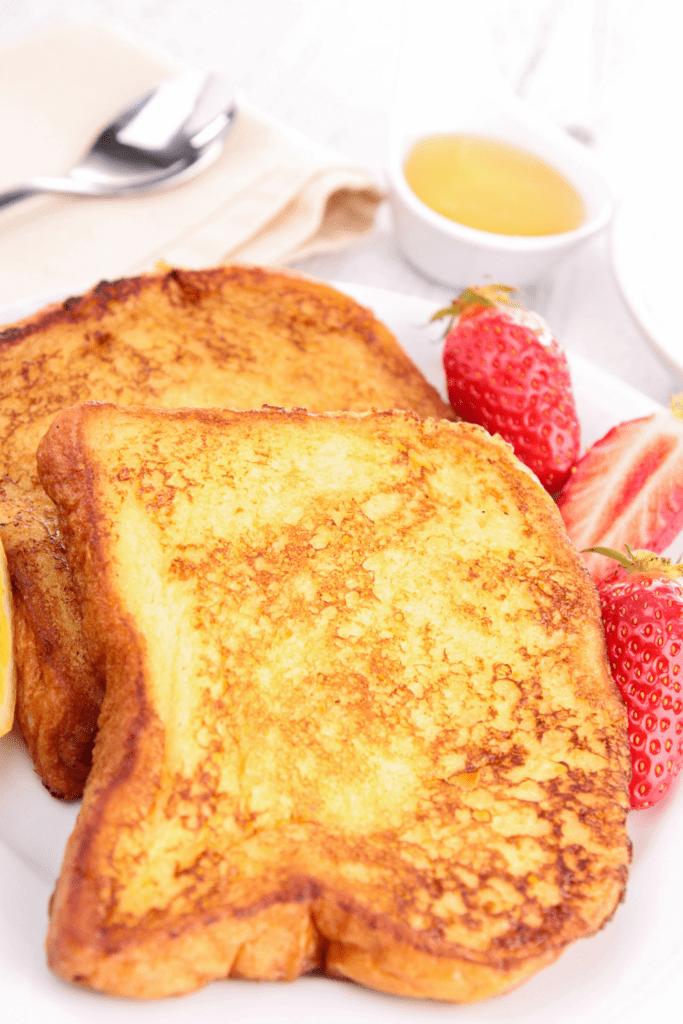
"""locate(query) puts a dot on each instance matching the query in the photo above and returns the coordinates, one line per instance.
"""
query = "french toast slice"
(234, 337)
(358, 714)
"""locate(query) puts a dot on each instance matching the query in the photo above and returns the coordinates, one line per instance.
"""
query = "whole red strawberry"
(506, 371)
(643, 619)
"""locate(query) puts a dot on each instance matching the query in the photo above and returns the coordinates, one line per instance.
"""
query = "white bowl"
(456, 255)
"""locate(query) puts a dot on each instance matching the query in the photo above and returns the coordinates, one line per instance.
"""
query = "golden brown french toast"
(358, 713)
(234, 337)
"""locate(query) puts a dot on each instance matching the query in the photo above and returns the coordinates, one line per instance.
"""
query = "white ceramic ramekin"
(455, 255)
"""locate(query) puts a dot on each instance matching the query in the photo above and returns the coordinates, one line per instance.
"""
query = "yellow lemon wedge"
(8, 687)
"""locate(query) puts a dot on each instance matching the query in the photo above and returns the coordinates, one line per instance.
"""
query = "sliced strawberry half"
(627, 489)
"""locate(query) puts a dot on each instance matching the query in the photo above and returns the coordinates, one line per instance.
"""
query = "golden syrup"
(492, 186)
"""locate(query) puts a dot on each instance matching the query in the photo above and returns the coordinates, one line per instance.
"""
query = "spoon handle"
(73, 185)
(65, 186)
(60, 186)
(14, 195)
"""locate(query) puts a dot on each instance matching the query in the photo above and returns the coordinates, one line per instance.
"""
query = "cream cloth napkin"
(273, 195)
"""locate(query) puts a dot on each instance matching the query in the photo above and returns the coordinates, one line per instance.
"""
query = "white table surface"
(607, 68)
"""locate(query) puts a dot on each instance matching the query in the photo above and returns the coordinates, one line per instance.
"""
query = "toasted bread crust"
(358, 712)
(235, 337)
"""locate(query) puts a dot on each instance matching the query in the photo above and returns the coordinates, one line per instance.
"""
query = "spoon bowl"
(167, 136)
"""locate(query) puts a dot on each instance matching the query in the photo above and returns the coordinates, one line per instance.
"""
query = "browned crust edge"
(192, 284)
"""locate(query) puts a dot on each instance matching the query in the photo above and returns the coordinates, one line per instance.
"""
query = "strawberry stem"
(646, 562)
(473, 300)
(611, 553)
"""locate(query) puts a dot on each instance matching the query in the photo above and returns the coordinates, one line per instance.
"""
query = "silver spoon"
(167, 136)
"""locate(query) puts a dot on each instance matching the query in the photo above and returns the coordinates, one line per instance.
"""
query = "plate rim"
(629, 276)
